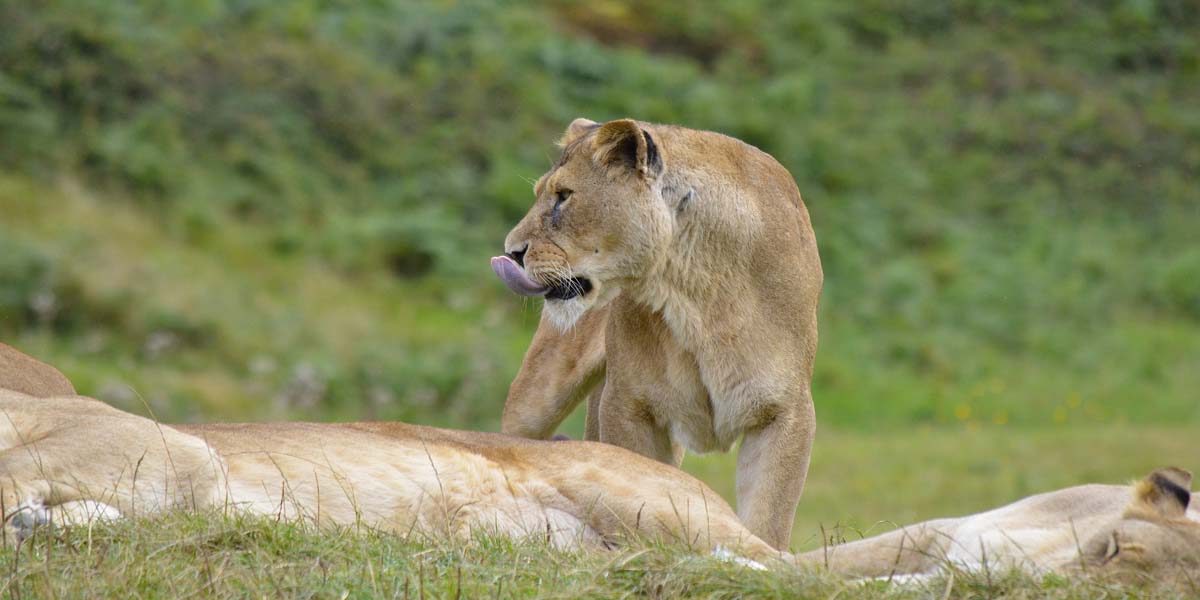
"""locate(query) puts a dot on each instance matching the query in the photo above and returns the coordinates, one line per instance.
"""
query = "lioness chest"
(704, 402)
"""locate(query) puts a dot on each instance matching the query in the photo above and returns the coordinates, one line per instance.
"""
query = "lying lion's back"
(23, 373)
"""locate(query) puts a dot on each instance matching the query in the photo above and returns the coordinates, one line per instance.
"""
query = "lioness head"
(1154, 537)
(597, 223)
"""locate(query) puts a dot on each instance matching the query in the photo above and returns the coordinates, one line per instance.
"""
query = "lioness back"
(20, 372)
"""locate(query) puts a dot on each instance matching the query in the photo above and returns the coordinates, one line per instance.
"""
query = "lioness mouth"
(577, 286)
(515, 278)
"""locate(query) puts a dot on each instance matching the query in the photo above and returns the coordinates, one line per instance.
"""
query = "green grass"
(241, 326)
(223, 557)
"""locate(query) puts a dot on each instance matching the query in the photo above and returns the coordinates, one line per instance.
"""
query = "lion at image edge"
(681, 279)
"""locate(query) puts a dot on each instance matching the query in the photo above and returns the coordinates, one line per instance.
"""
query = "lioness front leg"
(591, 431)
(771, 470)
(636, 385)
(558, 371)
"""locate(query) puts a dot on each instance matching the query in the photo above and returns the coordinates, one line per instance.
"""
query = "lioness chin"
(681, 278)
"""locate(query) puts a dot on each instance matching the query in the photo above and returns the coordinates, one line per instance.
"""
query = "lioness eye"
(559, 197)
(1114, 548)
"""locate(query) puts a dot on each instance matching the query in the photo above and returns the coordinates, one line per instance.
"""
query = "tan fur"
(1139, 531)
(23, 373)
(74, 459)
(705, 267)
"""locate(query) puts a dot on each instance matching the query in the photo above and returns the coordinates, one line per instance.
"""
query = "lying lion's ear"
(626, 145)
(1165, 492)
(575, 130)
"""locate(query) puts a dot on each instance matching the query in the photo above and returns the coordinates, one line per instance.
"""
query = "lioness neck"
(718, 192)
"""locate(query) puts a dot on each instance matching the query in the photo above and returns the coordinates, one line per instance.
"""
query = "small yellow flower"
(1073, 401)
(1000, 418)
(962, 412)
(1060, 415)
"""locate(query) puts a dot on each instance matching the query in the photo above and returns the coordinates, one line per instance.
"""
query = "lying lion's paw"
(724, 554)
(83, 512)
(29, 515)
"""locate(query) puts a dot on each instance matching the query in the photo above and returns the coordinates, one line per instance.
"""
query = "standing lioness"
(701, 251)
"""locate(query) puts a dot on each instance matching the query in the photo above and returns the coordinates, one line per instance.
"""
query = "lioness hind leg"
(103, 465)
(35, 491)
(678, 508)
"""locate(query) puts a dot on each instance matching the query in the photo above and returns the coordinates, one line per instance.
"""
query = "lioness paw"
(724, 554)
(29, 515)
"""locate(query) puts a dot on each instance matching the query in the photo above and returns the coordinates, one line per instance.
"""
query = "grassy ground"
(215, 556)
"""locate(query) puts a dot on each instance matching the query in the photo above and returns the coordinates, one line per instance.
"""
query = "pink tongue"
(515, 278)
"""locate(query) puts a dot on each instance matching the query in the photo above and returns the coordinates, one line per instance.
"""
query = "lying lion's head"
(1154, 537)
(597, 223)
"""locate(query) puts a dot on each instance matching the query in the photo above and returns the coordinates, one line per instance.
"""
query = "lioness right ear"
(624, 144)
(1166, 492)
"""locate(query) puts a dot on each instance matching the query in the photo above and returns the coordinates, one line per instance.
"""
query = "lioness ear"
(577, 128)
(624, 144)
(1164, 492)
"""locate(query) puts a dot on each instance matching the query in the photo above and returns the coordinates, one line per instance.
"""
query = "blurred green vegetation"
(254, 209)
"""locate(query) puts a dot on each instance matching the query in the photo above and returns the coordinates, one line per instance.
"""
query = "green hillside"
(263, 210)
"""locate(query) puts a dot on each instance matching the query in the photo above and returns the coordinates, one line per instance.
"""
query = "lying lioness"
(69, 459)
(1142, 530)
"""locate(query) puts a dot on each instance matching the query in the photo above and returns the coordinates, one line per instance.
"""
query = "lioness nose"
(519, 255)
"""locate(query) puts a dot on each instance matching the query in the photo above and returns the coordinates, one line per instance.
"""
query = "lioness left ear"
(1166, 491)
(576, 130)
(623, 144)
